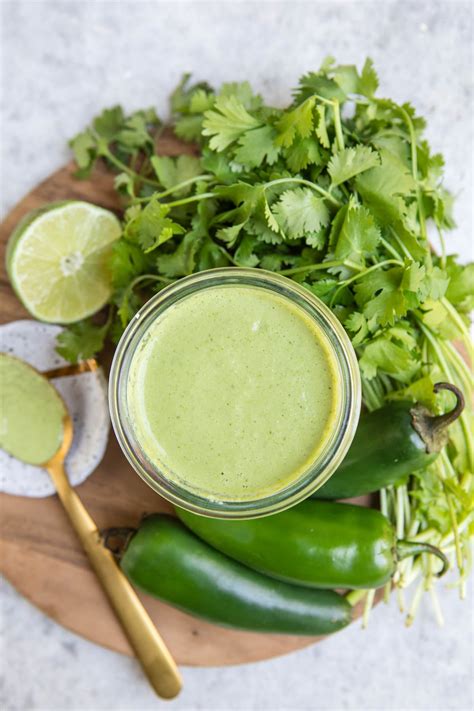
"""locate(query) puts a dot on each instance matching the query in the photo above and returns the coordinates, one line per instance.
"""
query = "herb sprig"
(338, 191)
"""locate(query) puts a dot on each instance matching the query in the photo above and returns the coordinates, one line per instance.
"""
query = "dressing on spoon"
(31, 413)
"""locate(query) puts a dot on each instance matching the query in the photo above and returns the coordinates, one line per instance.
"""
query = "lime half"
(57, 260)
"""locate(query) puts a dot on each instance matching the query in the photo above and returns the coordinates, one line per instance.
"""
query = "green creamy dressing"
(31, 413)
(232, 392)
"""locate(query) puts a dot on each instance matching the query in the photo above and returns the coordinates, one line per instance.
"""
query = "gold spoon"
(151, 651)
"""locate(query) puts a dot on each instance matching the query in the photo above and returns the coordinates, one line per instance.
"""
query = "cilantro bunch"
(338, 191)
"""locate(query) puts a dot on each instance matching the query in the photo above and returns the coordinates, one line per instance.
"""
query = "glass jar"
(316, 473)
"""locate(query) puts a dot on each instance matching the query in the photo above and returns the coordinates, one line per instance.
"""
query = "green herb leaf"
(301, 212)
(386, 295)
(182, 261)
(384, 356)
(150, 226)
(298, 122)
(384, 188)
(173, 171)
(227, 122)
(303, 153)
(257, 146)
(109, 122)
(321, 129)
(357, 324)
(460, 290)
(82, 340)
(358, 235)
(350, 162)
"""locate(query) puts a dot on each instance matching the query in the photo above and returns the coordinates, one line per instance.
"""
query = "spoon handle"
(151, 651)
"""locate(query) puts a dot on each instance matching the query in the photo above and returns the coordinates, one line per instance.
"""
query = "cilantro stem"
(140, 279)
(459, 364)
(193, 198)
(414, 168)
(228, 256)
(456, 318)
(106, 153)
(402, 246)
(369, 603)
(443, 246)
(313, 186)
(150, 277)
(320, 265)
(355, 596)
(436, 606)
(337, 125)
(415, 603)
(370, 396)
(183, 184)
(400, 512)
(454, 524)
(390, 249)
(322, 99)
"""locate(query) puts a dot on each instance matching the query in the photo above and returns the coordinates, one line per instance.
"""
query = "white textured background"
(62, 61)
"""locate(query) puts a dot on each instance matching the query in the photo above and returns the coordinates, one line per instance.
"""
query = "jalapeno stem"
(440, 422)
(433, 428)
(405, 549)
(116, 540)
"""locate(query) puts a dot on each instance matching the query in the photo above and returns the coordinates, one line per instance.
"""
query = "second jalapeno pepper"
(317, 544)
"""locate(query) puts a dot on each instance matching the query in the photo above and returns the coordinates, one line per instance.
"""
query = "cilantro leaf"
(384, 188)
(420, 390)
(356, 323)
(318, 83)
(150, 226)
(386, 295)
(201, 101)
(298, 122)
(189, 128)
(210, 256)
(369, 81)
(84, 147)
(358, 235)
(173, 171)
(81, 340)
(301, 212)
(182, 261)
(242, 91)
(244, 255)
(227, 122)
(460, 291)
(257, 146)
(182, 96)
(135, 133)
(109, 122)
(127, 261)
(302, 153)
(384, 356)
(350, 162)
(435, 315)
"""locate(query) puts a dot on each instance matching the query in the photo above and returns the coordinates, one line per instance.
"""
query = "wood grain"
(39, 551)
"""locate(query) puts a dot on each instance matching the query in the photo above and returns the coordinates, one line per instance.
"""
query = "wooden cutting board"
(40, 554)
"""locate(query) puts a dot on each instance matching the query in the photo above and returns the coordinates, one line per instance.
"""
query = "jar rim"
(320, 469)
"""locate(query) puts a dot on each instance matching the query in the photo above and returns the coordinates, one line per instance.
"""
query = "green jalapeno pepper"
(389, 445)
(166, 560)
(317, 543)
